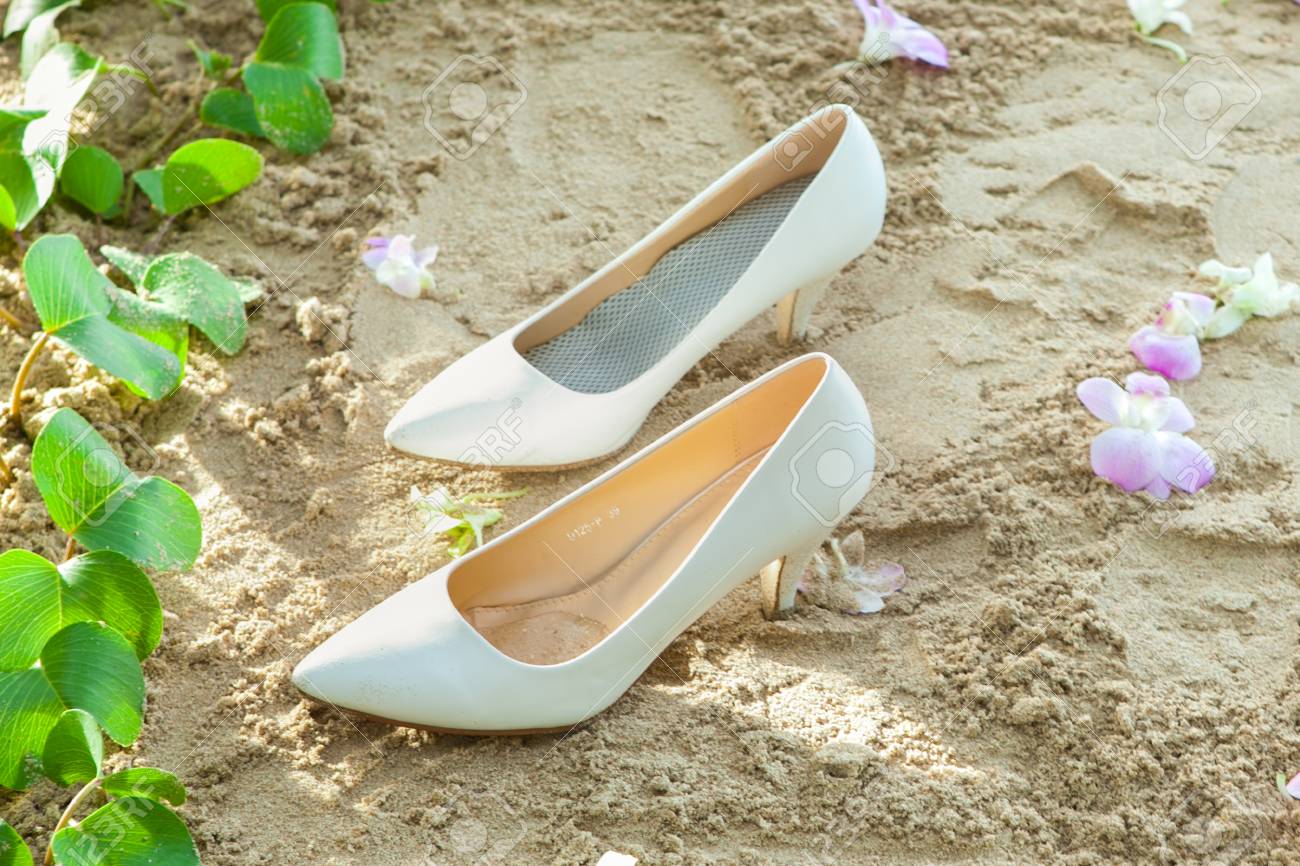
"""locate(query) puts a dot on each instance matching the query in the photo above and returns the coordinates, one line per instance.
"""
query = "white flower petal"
(1179, 20)
(868, 601)
(1225, 321)
(854, 550)
(1227, 275)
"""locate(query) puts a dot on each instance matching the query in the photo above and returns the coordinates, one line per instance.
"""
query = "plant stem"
(10, 319)
(176, 129)
(70, 549)
(5, 472)
(20, 243)
(66, 817)
(154, 149)
(15, 401)
(156, 241)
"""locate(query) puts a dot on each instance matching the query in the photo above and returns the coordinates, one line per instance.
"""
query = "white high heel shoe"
(550, 623)
(574, 382)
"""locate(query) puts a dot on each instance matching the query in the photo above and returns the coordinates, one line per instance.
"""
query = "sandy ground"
(1071, 677)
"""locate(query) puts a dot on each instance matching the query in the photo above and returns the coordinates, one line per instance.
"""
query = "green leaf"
(8, 215)
(291, 107)
(267, 8)
(131, 831)
(61, 78)
(58, 83)
(29, 182)
(13, 850)
(40, 36)
(150, 182)
(104, 586)
(74, 750)
(146, 782)
(143, 365)
(215, 64)
(304, 36)
(91, 177)
(91, 667)
(92, 495)
(206, 171)
(28, 710)
(30, 605)
(199, 293)
(21, 13)
(151, 321)
(86, 666)
(13, 123)
(71, 299)
(250, 290)
(231, 109)
(130, 263)
(38, 598)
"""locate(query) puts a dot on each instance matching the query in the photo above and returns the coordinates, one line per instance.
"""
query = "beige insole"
(553, 630)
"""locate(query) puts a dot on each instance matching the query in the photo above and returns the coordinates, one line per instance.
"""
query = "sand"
(1072, 676)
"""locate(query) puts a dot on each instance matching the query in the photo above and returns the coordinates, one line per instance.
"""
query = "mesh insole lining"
(631, 330)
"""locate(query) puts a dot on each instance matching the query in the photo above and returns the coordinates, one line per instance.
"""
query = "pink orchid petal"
(888, 18)
(1127, 457)
(1179, 419)
(904, 37)
(1175, 356)
(1145, 383)
(401, 247)
(1104, 399)
(1201, 307)
(888, 579)
(1293, 786)
(1183, 463)
(397, 265)
(1159, 488)
(917, 43)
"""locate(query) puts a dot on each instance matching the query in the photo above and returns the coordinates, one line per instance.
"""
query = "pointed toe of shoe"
(430, 424)
(469, 405)
(305, 674)
(332, 674)
(409, 430)
(402, 660)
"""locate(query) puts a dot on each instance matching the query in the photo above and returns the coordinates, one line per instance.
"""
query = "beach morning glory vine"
(1145, 449)
(889, 34)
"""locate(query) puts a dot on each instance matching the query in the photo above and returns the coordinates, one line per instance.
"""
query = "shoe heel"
(794, 311)
(779, 581)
